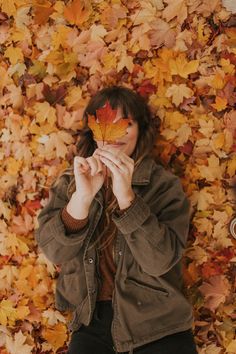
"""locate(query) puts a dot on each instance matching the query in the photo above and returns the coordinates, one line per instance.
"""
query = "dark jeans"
(96, 338)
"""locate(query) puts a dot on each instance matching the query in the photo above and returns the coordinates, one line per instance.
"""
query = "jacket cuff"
(120, 212)
(133, 217)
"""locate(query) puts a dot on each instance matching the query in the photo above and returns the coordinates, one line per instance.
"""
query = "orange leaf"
(56, 335)
(77, 12)
(220, 104)
(42, 14)
(104, 128)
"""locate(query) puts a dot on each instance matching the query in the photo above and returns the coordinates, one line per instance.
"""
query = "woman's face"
(127, 142)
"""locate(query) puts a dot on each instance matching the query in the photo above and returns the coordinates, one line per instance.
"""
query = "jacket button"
(120, 253)
(90, 260)
(139, 303)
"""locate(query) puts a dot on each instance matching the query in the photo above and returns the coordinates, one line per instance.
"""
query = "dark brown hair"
(131, 104)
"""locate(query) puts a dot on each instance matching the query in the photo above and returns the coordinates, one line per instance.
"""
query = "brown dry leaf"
(176, 9)
(161, 33)
(215, 291)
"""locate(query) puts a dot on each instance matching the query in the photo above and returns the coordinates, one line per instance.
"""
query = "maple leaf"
(7, 312)
(42, 13)
(180, 66)
(53, 317)
(161, 33)
(56, 335)
(17, 345)
(220, 104)
(215, 291)
(77, 12)
(177, 9)
(104, 127)
(213, 170)
(178, 92)
(54, 96)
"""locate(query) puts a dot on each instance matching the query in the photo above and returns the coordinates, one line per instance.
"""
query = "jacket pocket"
(155, 289)
(71, 288)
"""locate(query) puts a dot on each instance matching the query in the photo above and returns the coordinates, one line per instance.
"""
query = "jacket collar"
(142, 174)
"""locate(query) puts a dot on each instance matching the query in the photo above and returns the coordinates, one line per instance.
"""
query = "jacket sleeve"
(156, 230)
(52, 235)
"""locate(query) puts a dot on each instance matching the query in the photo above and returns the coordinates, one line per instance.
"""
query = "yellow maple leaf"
(55, 146)
(37, 69)
(14, 54)
(226, 66)
(174, 120)
(231, 347)
(77, 12)
(60, 37)
(56, 335)
(16, 245)
(13, 166)
(109, 61)
(213, 171)
(231, 167)
(45, 112)
(217, 81)
(178, 93)
(73, 98)
(218, 140)
(5, 78)
(125, 61)
(180, 66)
(9, 7)
(8, 313)
(7, 275)
(220, 103)
(22, 311)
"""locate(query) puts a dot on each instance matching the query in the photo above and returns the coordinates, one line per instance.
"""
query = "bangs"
(118, 98)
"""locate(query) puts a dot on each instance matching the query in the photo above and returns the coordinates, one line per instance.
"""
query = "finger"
(93, 164)
(99, 163)
(122, 156)
(111, 156)
(115, 168)
(80, 165)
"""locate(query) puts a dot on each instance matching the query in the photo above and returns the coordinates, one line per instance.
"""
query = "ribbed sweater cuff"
(72, 224)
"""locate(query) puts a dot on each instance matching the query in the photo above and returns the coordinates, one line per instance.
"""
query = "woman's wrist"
(78, 207)
(125, 201)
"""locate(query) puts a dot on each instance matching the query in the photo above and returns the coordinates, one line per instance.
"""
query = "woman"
(117, 225)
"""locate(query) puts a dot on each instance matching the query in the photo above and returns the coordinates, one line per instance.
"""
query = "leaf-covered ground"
(180, 54)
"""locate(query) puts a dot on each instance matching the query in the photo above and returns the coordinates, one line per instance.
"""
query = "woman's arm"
(156, 231)
(52, 235)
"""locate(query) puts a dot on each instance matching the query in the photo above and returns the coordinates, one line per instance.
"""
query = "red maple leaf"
(104, 126)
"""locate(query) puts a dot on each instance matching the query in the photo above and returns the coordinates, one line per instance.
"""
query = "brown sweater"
(107, 268)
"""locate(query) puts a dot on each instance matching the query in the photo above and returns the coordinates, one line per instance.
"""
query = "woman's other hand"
(121, 167)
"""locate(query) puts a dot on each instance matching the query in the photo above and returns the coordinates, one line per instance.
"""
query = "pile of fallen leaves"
(54, 55)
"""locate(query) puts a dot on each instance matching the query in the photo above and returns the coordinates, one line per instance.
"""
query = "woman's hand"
(89, 176)
(121, 167)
